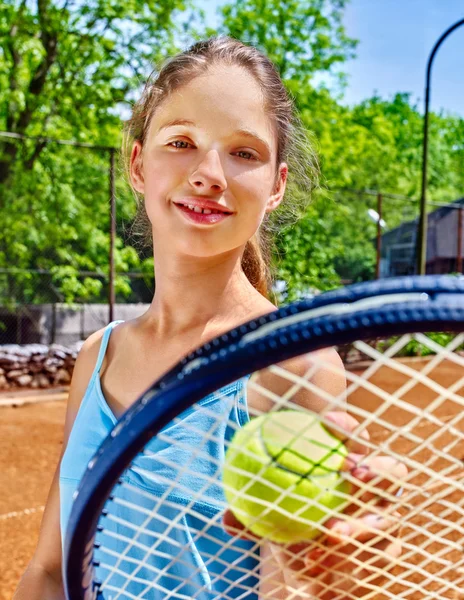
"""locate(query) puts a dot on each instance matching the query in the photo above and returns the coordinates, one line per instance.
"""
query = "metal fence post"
(379, 236)
(111, 292)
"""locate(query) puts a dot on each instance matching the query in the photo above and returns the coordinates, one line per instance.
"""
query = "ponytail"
(255, 263)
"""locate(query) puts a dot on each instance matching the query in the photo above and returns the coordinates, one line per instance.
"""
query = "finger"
(364, 529)
(381, 555)
(362, 561)
(357, 565)
(367, 546)
(235, 528)
(381, 474)
(361, 557)
(347, 428)
(380, 478)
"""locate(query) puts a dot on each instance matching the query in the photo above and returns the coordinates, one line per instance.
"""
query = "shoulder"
(328, 374)
(88, 354)
(90, 347)
(323, 371)
(82, 373)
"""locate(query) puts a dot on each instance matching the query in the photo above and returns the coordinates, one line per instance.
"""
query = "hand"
(353, 555)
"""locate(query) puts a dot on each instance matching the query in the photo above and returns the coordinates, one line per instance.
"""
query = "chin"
(205, 251)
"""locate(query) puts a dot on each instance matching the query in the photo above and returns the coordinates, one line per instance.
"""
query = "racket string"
(416, 434)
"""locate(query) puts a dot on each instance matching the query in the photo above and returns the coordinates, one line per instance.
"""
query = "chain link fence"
(37, 313)
(386, 226)
(68, 264)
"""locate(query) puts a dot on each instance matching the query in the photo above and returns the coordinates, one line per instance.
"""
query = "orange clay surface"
(31, 440)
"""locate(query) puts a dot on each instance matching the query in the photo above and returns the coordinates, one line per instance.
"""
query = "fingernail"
(359, 472)
(342, 529)
(373, 520)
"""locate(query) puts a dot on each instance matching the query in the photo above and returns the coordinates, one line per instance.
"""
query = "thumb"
(347, 429)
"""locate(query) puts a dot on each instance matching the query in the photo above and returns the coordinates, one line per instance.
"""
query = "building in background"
(445, 240)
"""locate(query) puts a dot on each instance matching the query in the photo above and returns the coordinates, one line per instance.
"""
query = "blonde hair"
(293, 143)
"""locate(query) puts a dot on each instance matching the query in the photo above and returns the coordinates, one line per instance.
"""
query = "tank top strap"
(104, 344)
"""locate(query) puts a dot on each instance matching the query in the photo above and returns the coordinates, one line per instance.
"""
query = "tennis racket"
(150, 518)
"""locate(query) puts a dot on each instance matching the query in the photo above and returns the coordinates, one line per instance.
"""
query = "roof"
(435, 215)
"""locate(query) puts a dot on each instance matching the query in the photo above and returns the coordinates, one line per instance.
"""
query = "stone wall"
(36, 365)
(57, 333)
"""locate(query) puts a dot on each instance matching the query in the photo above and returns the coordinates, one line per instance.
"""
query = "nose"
(209, 174)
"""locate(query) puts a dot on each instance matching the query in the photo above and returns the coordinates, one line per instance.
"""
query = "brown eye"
(177, 142)
(248, 156)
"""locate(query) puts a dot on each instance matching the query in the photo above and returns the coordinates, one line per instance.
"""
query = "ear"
(279, 188)
(136, 167)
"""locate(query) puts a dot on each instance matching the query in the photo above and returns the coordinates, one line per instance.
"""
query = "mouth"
(204, 210)
(202, 214)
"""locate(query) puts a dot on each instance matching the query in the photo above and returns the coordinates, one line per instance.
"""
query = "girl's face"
(207, 168)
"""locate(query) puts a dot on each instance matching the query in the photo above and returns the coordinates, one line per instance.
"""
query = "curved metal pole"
(422, 230)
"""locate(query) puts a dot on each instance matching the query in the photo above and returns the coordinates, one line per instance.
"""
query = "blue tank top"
(232, 572)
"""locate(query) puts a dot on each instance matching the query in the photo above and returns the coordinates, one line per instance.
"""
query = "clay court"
(32, 439)
(30, 444)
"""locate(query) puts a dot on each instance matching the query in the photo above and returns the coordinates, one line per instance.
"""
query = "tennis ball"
(281, 474)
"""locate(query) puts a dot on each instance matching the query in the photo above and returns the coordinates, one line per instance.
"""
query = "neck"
(202, 296)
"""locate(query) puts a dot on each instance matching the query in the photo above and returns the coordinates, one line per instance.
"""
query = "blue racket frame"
(437, 303)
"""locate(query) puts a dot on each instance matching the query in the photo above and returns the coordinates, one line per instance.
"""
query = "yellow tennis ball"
(282, 476)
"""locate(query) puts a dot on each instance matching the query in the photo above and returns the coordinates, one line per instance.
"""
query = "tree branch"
(16, 61)
(49, 41)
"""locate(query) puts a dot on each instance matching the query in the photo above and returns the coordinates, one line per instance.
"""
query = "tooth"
(197, 209)
(207, 211)
(190, 206)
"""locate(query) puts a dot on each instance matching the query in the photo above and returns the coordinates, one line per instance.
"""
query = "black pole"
(459, 248)
(422, 229)
(111, 294)
(379, 236)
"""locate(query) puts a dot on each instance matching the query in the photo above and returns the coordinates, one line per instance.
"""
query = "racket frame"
(438, 305)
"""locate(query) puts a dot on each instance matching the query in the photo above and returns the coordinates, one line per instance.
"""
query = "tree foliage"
(70, 70)
(301, 38)
(67, 71)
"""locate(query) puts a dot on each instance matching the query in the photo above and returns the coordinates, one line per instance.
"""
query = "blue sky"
(395, 40)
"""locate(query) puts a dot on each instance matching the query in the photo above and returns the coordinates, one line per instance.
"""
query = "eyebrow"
(248, 133)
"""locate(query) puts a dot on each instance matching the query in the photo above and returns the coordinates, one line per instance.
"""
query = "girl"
(211, 142)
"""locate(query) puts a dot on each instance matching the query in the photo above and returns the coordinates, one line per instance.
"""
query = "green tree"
(377, 145)
(68, 70)
(71, 70)
(304, 39)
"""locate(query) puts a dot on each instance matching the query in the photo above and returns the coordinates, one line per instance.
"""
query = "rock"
(15, 373)
(52, 364)
(35, 383)
(37, 349)
(62, 376)
(59, 351)
(24, 380)
(43, 380)
(36, 365)
(8, 360)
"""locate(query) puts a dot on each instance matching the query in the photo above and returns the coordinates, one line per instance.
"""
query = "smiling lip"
(203, 203)
(194, 210)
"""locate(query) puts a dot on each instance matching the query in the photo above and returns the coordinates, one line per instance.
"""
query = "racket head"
(367, 311)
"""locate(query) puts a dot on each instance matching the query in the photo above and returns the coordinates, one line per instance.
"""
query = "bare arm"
(275, 583)
(299, 571)
(323, 369)
(42, 579)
